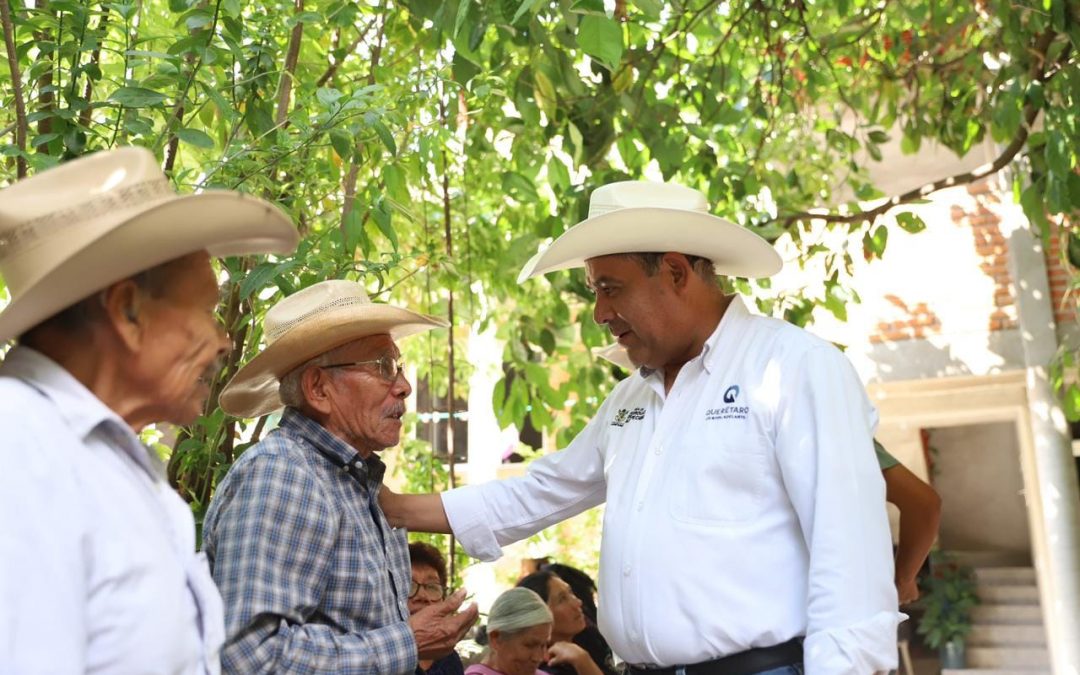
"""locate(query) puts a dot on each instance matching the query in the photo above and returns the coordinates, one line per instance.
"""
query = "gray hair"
(290, 389)
(650, 262)
(517, 609)
(91, 309)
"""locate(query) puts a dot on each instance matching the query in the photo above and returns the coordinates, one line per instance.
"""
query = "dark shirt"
(597, 647)
(447, 665)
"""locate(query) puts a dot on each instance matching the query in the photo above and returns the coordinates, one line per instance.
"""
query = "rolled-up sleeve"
(825, 450)
(487, 517)
(270, 537)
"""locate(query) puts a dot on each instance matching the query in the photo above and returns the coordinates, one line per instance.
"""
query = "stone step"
(992, 558)
(1002, 635)
(1008, 595)
(1006, 576)
(1008, 657)
(995, 671)
(1006, 614)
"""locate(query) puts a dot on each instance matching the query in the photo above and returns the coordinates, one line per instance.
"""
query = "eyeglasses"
(432, 591)
(389, 367)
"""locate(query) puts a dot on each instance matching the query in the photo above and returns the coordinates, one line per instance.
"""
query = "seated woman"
(518, 635)
(428, 587)
(571, 625)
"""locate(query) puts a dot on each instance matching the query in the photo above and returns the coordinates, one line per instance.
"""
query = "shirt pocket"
(722, 481)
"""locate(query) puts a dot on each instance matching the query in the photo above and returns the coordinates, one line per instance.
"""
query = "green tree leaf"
(199, 139)
(910, 222)
(137, 97)
(601, 38)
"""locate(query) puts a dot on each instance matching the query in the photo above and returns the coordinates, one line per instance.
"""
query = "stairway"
(1007, 637)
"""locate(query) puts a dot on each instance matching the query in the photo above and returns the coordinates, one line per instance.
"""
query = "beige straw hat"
(645, 217)
(308, 323)
(78, 227)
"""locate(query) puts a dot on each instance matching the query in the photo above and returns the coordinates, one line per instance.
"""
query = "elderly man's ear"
(316, 384)
(121, 303)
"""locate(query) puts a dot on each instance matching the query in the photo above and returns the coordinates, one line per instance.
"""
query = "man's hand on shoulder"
(416, 513)
(438, 627)
(390, 503)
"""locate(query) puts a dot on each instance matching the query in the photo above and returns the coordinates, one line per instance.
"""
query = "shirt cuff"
(866, 647)
(465, 510)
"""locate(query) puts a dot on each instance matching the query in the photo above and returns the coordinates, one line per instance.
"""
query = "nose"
(602, 313)
(401, 387)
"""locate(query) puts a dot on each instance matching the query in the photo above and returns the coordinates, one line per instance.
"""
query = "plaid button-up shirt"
(313, 577)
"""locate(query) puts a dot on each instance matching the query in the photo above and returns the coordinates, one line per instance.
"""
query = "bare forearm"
(920, 512)
(918, 530)
(416, 513)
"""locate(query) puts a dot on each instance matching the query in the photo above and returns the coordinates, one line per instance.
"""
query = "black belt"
(751, 661)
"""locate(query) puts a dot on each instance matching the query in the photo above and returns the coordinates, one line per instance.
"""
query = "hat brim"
(223, 223)
(615, 354)
(253, 390)
(734, 250)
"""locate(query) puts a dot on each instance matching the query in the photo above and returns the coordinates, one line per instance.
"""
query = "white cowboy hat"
(308, 323)
(645, 217)
(616, 354)
(76, 228)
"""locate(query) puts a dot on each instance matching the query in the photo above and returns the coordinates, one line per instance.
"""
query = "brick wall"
(992, 253)
(991, 247)
(1064, 305)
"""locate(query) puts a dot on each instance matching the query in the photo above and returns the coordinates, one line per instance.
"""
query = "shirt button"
(640, 505)
(626, 570)
(659, 450)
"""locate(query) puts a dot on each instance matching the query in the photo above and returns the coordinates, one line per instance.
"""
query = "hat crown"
(645, 194)
(310, 303)
(80, 193)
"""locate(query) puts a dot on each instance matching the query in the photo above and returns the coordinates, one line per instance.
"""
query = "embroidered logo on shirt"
(728, 412)
(623, 416)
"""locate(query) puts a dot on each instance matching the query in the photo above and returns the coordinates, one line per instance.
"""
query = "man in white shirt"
(745, 529)
(112, 309)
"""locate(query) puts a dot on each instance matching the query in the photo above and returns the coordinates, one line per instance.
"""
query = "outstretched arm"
(416, 513)
(920, 513)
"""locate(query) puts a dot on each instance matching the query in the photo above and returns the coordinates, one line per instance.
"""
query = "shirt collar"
(734, 314)
(370, 470)
(82, 411)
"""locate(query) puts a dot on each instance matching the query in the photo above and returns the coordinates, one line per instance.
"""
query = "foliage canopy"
(427, 147)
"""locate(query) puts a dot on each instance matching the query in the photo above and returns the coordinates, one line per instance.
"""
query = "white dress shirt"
(98, 569)
(744, 508)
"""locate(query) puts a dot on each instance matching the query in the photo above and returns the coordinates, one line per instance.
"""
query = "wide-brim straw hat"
(72, 230)
(648, 217)
(310, 322)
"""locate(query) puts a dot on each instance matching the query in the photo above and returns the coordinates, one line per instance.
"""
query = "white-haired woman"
(519, 639)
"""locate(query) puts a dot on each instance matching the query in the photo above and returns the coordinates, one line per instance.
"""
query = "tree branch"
(95, 58)
(16, 84)
(376, 51)
(1038, 72)
(292, 56)
(332, 69)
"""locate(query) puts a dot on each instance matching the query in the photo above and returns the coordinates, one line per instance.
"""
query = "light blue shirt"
(98, 569)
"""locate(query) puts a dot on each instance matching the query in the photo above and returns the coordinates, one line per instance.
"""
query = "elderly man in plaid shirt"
(313, 577)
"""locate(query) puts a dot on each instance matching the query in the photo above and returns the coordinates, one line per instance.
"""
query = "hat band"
(126, 197)
(278, 330)
(601, 209)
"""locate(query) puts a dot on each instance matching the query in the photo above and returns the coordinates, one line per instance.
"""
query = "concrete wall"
(977, 473)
